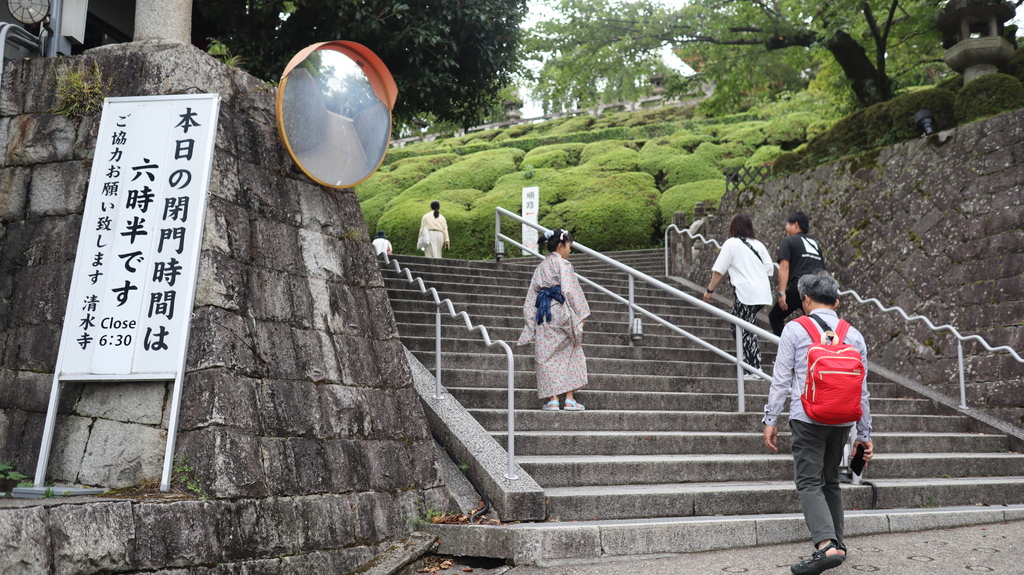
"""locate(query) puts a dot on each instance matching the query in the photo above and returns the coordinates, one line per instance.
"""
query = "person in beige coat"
(434, 224)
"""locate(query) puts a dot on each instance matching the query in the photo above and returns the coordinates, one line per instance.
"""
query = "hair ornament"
(548, 234)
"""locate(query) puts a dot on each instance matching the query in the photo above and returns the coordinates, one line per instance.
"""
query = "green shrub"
(987, 96)
(382, 187)
(684, 198)
(786, 163)
(689, 141)
(790, 130)
(903, 107)
(512, 132)
(571, 125)
(592, 151)
(570, 153)
(691, 168)
(763, 155)
(478, 171)
(617, 212)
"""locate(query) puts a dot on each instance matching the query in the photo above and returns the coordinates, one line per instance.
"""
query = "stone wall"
(298, 413)
(935, 226)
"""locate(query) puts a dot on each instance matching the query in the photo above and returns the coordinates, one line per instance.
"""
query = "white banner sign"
(131, 297)
(531, 202)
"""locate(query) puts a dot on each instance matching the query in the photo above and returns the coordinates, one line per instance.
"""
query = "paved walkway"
(990, 548)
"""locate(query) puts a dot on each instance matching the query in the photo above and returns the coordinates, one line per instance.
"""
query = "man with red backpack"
(821, 369)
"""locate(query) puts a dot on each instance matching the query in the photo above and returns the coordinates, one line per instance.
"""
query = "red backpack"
(835, 374)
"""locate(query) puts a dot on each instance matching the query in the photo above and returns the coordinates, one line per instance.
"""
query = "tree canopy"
(449, 59)
(878, 44)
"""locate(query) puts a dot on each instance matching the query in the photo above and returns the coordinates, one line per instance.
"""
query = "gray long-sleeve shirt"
(790, 374)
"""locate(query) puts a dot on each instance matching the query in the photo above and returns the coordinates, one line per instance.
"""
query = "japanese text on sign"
(138, 252)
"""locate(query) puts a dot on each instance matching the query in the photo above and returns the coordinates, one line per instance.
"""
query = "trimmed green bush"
(592, 151)
(570, 152)
(572, 125)
(382, 187)
(691, 168)
(987, 96)
(686, 140)
(684, 198)
(477, 171)
(763, 155)
(786, 163)
(619, 211)
(790, 130)
(903, 107)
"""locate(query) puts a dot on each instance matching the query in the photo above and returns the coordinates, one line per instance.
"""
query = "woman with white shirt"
(434, 224)
(749, 266)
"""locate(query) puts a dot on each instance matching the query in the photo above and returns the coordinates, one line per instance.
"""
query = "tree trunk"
(869, 85)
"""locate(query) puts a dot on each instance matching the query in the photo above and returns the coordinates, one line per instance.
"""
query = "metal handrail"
(14, 34)
(909, 318)
(511, 473)
(634, 274)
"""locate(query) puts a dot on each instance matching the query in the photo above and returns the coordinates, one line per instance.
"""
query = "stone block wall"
(934, 226)
(298, 403)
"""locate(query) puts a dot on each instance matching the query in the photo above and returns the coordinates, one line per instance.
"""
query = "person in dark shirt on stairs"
(798, 256)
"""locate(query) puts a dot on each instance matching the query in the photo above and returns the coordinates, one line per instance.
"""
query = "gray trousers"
(817, 451)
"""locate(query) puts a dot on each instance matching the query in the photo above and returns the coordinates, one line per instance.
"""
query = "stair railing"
(741, 366)
(960, 338)
(438, 302)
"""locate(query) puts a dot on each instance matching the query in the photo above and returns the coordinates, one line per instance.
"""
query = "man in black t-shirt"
(799, 255)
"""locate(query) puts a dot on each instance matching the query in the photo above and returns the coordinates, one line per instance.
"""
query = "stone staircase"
(661, 436)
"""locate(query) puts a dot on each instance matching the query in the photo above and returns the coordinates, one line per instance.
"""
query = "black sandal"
(818, 562)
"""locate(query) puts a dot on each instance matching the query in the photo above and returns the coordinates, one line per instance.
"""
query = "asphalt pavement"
(991, 548)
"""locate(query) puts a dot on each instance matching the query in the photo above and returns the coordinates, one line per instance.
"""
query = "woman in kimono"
(554, 312)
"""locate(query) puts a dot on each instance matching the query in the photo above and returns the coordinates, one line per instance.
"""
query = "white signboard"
(138, 252)
(531, 202)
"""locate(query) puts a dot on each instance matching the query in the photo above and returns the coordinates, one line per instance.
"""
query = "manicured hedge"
(684, 198)
(987, 96)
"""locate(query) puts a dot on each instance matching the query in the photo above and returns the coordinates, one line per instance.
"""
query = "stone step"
(497, 378)
(511, 304)
(568, 443)
(619, 470)
(622, 420)
(597, 502)
(414, 321)
(613, 542)
(595, 345)
(595, 365)
(477, 397)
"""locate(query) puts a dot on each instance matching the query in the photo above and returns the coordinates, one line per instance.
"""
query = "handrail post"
(960, 364)
(437, 352)
(632, 313)
(511, 417)
(739, 369)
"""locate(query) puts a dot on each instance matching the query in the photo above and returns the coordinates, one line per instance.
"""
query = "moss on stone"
(987, 96)
(903, 107)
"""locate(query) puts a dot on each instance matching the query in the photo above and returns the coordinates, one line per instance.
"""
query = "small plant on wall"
(9, 478)
(80, 88)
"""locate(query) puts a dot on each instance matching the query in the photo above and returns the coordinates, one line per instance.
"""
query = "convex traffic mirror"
(334, 107)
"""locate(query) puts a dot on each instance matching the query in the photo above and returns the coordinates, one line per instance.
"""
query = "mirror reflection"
(334, 123)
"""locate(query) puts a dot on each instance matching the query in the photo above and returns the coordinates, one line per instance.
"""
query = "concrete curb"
(547, 544)
(467, 441)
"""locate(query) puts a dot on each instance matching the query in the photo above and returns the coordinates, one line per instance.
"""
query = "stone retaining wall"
(935, 226)
(298, 416)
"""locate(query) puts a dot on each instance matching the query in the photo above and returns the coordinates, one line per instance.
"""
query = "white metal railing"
(438, 302)
(17, 36)
(960, 338)
(633, 274)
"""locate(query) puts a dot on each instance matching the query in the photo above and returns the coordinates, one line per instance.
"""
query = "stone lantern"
(513, 109)
(972, 33)
(657, 84)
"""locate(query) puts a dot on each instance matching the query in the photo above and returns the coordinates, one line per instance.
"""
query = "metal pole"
(56, 17)
(511, 416)
(172, 431)
(629, 326)
(437, 352)
(739, 369)
(51, 420)
(960, 362)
